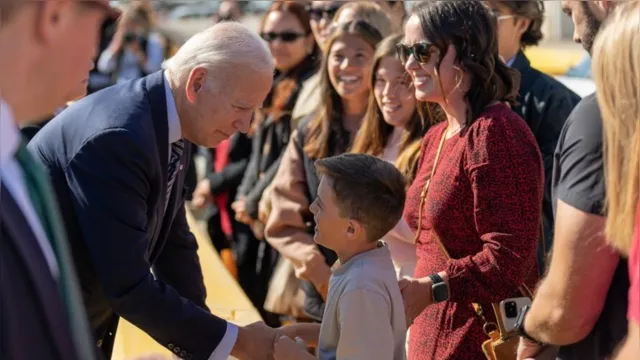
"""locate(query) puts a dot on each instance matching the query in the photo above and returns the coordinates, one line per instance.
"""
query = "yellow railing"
(225, 298)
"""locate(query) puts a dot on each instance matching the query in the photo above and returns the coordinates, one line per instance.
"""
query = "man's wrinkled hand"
(528, 350)
(287, 349)
(255, 342)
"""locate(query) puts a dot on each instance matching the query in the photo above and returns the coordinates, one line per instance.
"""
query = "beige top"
(364, 314)
(308, 99)
(401, 238)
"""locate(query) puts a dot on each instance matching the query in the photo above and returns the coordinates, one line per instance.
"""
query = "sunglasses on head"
(317, 14)
(285, 36)
(421, 52)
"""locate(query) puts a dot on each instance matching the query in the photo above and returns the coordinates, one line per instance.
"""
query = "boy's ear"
(355, 229)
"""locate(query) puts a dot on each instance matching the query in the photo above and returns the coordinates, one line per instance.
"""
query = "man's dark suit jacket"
(33, 320)
(107, 156)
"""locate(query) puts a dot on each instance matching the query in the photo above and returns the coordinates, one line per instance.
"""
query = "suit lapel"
(27, 246)
(175, 197)
(158, 101)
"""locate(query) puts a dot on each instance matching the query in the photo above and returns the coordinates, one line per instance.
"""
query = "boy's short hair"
(367, 189)
(532, 10)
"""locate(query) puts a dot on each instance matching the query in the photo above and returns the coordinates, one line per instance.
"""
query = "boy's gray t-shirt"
(364, 314)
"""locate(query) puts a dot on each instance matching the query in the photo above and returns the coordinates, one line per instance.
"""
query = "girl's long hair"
(329, 113)
(616, 69)
(374, 133)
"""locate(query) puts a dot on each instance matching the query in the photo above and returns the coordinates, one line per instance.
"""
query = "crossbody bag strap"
(423, 195)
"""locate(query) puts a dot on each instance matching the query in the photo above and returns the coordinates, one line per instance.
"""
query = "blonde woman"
(616, 68)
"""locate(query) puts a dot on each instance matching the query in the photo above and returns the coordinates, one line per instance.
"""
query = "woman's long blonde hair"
(616, 68)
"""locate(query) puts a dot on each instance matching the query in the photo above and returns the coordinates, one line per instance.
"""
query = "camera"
(511, 309)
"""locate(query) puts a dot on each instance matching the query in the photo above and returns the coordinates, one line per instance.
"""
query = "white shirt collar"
(175, 132)
(9, 134)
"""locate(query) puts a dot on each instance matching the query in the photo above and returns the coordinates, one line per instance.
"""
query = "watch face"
(440, 292)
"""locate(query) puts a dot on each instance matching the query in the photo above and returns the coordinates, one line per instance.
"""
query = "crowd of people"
(386, 184)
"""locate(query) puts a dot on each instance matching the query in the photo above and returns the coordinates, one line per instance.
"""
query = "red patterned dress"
(484, 202)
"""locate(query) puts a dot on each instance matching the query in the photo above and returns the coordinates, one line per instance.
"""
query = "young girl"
(392, 130)
(330, 131)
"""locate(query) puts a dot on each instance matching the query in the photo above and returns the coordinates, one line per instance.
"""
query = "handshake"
(260, 342)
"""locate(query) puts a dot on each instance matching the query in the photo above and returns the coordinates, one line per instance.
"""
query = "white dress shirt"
(13, 179)
(223, 350)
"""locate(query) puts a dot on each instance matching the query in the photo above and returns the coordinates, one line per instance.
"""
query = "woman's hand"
(416, 294)
(202, 194)
(258, 229)
(240, 208)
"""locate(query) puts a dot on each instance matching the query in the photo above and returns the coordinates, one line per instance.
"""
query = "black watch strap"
(520, 326)
(436, 279)
(439, 289)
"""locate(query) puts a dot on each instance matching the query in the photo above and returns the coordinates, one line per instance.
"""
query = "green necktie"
(41, 194)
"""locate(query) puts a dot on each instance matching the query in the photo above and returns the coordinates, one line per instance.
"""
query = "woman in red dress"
(482, 203)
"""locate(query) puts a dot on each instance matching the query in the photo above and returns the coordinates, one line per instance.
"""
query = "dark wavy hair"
(470, 27)
(284, 88)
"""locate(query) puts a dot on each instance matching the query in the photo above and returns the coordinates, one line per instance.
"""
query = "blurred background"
(558, 55)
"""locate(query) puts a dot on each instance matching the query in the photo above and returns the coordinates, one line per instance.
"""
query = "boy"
(360, 198)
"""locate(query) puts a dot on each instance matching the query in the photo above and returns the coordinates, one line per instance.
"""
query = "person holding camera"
(135, 50)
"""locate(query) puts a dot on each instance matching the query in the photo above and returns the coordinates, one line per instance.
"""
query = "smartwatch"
(439, 289)
(520, 326)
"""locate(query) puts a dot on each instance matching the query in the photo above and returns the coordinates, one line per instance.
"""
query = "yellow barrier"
(225, 298)
(555, 60)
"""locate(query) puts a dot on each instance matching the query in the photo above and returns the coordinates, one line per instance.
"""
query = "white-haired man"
(117, 159)
(47, 50)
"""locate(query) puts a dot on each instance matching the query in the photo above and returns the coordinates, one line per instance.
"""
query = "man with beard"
(581, 304)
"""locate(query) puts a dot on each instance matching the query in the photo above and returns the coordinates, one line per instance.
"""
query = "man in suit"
(47, 49)
(118, 159)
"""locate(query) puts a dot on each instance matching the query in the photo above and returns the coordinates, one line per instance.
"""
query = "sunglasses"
(285, 36)
(317, 14)
(421, 52)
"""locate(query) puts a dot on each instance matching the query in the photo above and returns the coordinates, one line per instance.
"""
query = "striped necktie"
(41, 195)
(177, 148)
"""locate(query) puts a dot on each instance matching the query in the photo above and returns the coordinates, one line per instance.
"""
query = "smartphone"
(510, 309)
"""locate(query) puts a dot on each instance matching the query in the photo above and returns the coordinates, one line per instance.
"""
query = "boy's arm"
(309, 333)
(286, 349)
(365, 326)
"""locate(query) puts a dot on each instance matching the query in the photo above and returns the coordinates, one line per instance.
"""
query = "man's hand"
(202, 194)
(528, 350)
(416, 294)
(254, 342)
(287, 349)
(240, 208)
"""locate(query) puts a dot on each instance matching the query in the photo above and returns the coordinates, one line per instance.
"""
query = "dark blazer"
(33, 321)
(545, 105)
(107, 156)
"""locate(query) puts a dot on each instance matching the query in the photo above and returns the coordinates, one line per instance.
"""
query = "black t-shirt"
(578, 176)
(578, 180)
